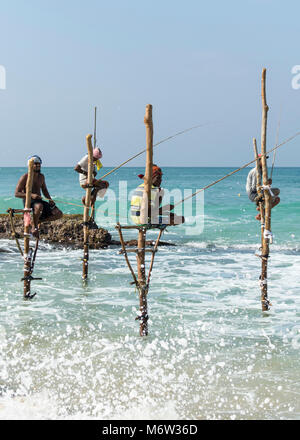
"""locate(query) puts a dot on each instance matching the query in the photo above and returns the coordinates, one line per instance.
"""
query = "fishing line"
(239, 169)
(155, 145)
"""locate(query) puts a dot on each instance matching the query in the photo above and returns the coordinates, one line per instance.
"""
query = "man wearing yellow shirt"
(160, 215)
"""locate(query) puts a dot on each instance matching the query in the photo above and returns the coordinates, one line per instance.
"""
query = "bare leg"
(275, 201)
(52, 217)
(99, 186)
(258, 217)
(37, 212)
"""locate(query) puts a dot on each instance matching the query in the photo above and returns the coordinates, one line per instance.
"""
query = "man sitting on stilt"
(42, 211)
(251, 188)
(160, 215)
(99, 186)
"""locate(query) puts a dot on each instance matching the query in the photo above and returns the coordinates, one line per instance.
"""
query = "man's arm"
(46, 192)
(20, 191)
(80, 170)
(251, 181)
(45, 189)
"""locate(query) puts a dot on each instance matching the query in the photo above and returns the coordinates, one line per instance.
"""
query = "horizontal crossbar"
(137, 250)
(146, 226)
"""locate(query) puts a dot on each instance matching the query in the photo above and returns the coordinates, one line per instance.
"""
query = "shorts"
(275, 191)
(252, 196)
(47, 209)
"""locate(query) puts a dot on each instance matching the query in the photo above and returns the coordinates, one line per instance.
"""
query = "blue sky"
(194, 61)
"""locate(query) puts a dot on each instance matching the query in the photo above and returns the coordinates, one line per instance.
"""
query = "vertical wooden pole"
(142, 288)
(146, 203)
(87, 208)
(27, 250)
(259, 191)
(145, 215)
(153, 255)
(267, 198)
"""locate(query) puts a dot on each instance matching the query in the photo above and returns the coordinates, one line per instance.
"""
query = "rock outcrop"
(67, 231)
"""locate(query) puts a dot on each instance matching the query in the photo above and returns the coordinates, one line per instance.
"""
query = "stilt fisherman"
(42, 211)
(160, 215)
(251, 188)
(99, 186)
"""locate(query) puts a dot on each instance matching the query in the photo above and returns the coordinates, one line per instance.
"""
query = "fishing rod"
(155, 145)
(136, 155)
(66, 203)
(211, 184)
(95, 128)
(95, 144)
(235, 171)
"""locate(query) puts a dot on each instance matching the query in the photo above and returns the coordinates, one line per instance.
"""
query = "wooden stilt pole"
(266, 236)
(87, 208)
(153, 254)
(142, 287)
(146, 203)
(118, 227)
(13, 230)
(145, 215)
(140, 280)
(27, 249)
(92, 216)
(259, 192)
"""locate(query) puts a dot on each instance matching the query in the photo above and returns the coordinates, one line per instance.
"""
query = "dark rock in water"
(67, 231)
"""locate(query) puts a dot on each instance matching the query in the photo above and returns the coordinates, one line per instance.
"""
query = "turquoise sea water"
(74, 351)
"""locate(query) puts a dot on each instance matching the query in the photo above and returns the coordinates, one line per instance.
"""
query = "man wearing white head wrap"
(42, 210)
(251, 188)
(82, 168)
